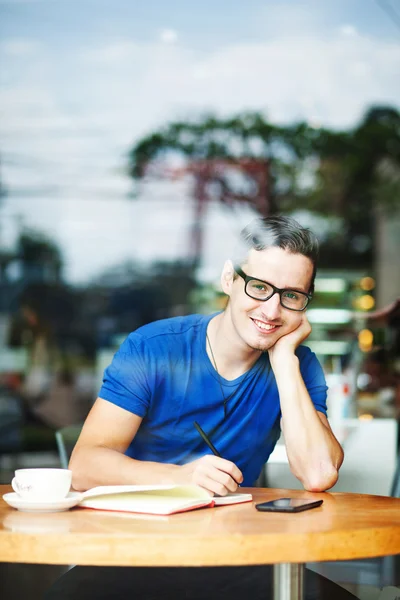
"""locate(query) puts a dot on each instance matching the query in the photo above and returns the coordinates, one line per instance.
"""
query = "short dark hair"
(282, 232)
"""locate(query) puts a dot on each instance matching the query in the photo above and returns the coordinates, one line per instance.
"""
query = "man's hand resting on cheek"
(288, 343)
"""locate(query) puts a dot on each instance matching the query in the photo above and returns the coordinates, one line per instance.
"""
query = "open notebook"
(156, 499)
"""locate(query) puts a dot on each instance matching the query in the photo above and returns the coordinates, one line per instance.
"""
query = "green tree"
(345, 174)
(359, 172)
(38, 253)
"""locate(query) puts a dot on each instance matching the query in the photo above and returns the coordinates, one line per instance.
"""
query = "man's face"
(260, 324)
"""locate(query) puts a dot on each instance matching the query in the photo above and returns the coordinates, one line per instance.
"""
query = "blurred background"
(137, 139)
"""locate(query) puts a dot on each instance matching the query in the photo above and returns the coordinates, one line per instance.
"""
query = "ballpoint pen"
(210, 444)
(207, 439)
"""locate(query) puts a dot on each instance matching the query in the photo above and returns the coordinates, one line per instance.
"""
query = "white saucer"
(42, 506)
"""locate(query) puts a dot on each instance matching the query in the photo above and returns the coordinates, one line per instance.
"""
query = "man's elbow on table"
(322, 480)
(79, 468)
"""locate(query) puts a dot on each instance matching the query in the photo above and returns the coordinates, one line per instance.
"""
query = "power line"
(390, 11)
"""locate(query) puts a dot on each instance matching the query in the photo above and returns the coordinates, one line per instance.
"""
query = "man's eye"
(290, 295)
(259, 287)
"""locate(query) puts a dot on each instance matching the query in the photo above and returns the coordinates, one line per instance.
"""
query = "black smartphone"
(288, 505)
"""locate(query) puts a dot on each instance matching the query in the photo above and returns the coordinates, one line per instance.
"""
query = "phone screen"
(288, 505)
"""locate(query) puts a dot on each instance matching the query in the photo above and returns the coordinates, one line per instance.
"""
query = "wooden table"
(346, 526)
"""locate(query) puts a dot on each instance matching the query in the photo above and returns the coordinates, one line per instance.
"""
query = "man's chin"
(265, 345)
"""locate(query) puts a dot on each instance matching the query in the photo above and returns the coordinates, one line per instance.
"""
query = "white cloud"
(348, 30)
(290, 78)
(168, 36)
(134, 83)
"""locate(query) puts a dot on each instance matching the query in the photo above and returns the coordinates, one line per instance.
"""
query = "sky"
(82, 80)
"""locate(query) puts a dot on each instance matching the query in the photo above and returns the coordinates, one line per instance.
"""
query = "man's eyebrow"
(295, 289)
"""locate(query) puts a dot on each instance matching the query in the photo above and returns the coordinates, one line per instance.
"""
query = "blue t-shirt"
(162, 373)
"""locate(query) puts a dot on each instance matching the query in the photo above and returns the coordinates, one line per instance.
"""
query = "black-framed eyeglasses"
(263, 290)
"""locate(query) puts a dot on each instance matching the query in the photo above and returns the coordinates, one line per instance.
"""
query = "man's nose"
(271, 308)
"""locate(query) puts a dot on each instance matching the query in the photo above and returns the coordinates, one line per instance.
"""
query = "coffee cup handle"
(14, 485)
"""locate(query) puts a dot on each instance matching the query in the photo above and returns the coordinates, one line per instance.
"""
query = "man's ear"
(227, 277)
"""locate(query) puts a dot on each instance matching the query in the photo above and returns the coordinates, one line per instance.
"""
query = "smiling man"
(242, 374)
(277, 274)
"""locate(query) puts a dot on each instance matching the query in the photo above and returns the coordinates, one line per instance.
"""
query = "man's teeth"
(264, 325)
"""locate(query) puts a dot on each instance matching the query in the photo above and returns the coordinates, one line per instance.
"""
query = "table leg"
(288, 581)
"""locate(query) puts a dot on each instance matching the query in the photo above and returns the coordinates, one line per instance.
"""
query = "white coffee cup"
(42, 484)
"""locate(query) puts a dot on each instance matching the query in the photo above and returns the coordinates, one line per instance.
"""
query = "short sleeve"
(313, 377)
(125, 380)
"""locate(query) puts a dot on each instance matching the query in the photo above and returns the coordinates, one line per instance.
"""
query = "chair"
(395, 490)
(380, 571)
(66, 438)
(21, 434)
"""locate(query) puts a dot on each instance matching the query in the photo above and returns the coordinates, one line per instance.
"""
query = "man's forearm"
(96, 465)
(314, 453)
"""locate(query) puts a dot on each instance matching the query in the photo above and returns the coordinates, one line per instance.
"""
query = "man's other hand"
(216, 475)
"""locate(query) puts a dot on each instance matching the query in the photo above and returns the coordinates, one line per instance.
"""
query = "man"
(242, 374)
